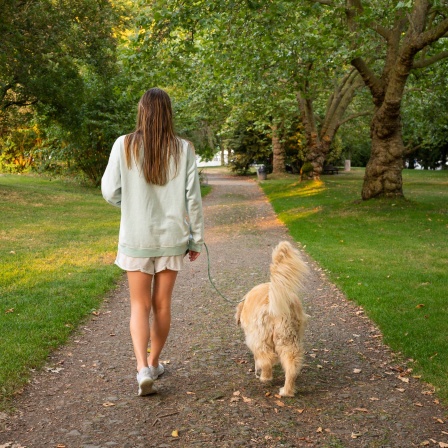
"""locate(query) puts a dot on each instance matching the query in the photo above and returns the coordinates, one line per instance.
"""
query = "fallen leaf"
(175, 433)
(11, 310)
(374, 399)
(280, 403)
(277, 396)
(403, 378)
(357, 370)
(241, 361)
(418, 404)
(355, 435)
(361, 410)
(438, 420)
(420, 305)
(300, 411)
(319, 429)
(191, 393)
(60, 445)
(237, 393)
(108, 404)
(400, 390)
(443, 445)
(96, 313)
(246, 399)
(444, 432)
(425, 443)
(234, 399)
(267, 394)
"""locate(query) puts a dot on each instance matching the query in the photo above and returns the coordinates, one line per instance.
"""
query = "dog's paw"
(266, 379)
(286, 393)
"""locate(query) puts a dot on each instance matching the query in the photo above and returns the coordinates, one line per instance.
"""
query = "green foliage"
(223, 63)
(249, 145)
(43, 46)
(18, 149)
(388, 257)
(59, 60)
(424, 128)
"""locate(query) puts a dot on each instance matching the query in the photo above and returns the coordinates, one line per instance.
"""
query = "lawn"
(389, 256)
(57, 247)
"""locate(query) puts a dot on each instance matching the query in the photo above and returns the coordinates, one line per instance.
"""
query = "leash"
(211, 281)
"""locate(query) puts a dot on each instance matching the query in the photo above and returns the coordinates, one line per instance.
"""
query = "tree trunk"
(316, 154)
(278, 152)
(319, 139)
(383, 176)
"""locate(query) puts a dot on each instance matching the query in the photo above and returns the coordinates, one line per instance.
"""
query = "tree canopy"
(305, 80)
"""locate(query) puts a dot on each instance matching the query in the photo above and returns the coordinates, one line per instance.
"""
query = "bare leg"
(140, 291)
(161, 308)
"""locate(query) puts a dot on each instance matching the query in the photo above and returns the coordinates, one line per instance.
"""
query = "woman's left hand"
(193, 255)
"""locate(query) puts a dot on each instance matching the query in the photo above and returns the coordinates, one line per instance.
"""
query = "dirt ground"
(352, 392)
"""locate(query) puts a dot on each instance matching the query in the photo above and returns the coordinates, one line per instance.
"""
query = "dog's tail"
(288, 272)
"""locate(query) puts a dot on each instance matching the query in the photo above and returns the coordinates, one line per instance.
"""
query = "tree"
(403, 36)
(275, 61)
(58, 64)
(44, 46)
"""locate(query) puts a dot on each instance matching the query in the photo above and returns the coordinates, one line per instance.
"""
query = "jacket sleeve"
(111, 180)
(194, 203)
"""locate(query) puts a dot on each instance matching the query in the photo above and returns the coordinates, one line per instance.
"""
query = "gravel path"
(352, 392)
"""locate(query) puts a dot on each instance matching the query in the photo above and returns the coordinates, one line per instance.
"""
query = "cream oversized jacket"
(155, 220)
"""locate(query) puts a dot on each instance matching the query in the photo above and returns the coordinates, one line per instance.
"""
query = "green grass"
(205, 190)
(57, 247)
(390, 257)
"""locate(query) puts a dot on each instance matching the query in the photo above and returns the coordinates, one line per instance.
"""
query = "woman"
(152, 176)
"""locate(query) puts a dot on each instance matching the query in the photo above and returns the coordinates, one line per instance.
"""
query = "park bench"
(330, 169)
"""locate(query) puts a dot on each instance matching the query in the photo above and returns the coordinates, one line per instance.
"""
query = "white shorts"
(149, 265)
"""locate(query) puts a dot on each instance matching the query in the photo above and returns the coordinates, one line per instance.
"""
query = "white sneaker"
(145, 382)
(155, 372)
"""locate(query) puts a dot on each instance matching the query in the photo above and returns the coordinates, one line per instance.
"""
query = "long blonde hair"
(155, 135)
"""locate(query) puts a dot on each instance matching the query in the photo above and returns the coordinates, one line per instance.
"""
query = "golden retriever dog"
(273, 320)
